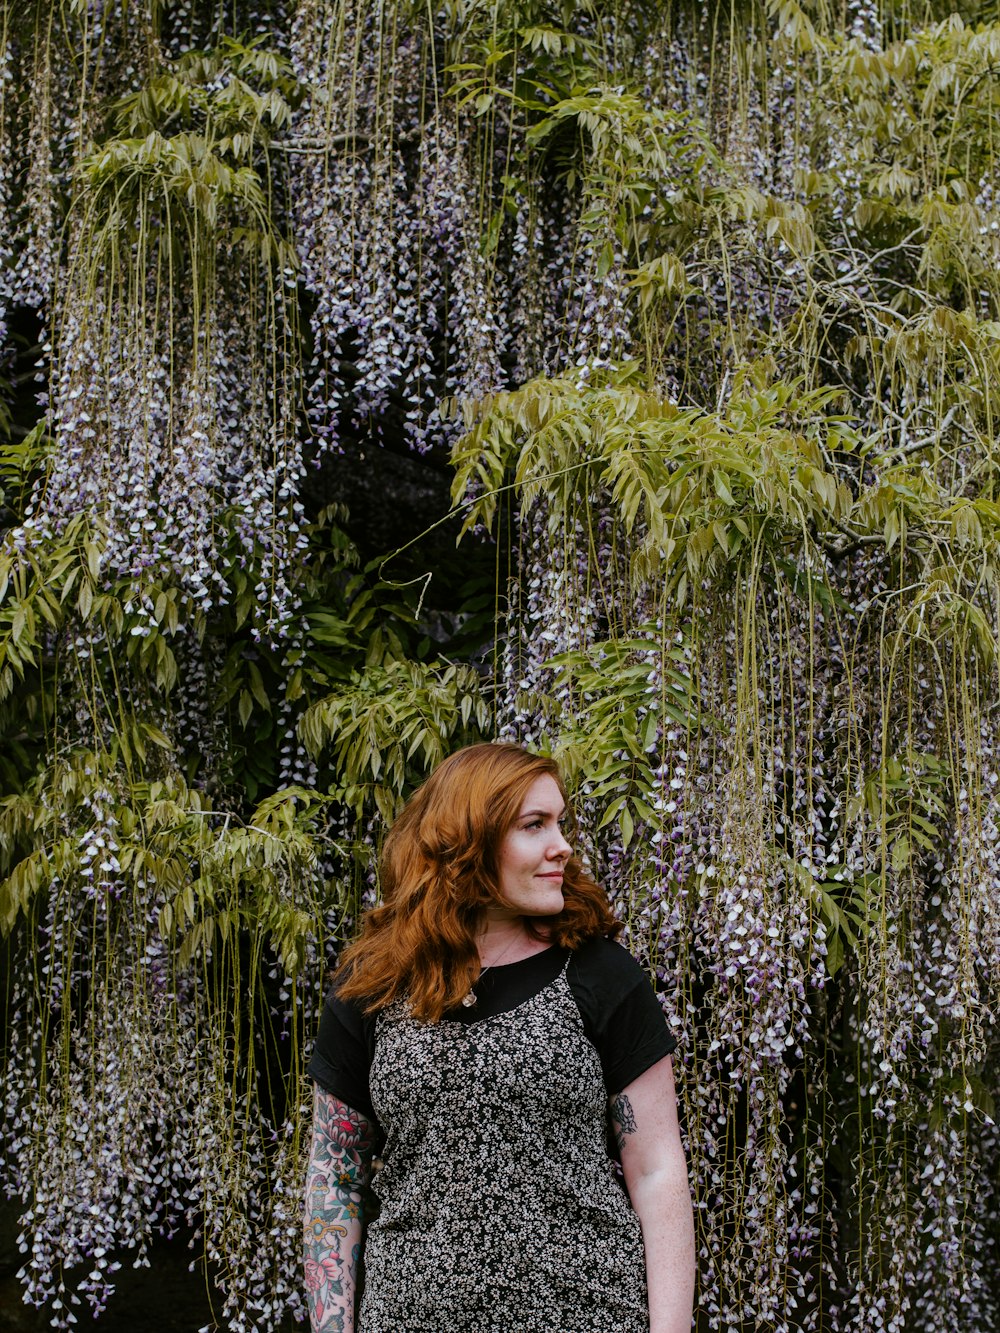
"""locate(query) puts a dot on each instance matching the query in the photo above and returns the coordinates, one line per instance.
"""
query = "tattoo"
(339, 1170)
(622, 1119)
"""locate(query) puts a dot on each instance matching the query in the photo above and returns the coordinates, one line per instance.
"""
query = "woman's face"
(533, 853)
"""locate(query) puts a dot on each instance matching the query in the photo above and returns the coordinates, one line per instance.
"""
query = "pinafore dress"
(500, 1211)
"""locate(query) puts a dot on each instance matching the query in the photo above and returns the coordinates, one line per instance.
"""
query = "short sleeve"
(342, 1056)
(621, 1014)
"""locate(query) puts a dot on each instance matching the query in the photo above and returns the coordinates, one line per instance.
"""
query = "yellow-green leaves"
(37, 583)
(236, 94)
(390, 723)
(850, 905)
(664, 276)
(134, 176)
(258, 878)
(213, 873)
(773, 218)
(18, 889)
(696, 494)
(625, 693)
(917, 118)
(905, 797)
(694, 490)
(793, 26)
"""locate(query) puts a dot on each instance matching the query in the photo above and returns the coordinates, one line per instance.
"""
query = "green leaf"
(257, 686)
(611, 813)
(901, 853)
(627, 826)
(720, 480)
(605, 260)
(245, 707)
(834, 953)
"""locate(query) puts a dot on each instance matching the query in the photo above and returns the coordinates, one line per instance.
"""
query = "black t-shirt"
(621, 1017)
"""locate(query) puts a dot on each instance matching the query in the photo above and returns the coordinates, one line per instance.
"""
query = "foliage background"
(697, 307)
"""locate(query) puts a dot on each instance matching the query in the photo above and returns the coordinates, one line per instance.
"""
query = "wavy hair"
(439, 872)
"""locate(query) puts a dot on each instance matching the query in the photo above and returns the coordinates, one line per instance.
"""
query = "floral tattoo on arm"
(622, 1119)
(339, 1171)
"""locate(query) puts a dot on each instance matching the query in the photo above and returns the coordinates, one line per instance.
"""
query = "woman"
(486, 1032)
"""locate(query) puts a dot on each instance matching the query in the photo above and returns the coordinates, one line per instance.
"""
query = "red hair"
(439, 873)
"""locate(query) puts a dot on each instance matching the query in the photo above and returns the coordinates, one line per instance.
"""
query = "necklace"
(469, 1001)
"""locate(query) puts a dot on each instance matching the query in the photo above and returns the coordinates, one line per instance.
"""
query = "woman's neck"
(505, 939)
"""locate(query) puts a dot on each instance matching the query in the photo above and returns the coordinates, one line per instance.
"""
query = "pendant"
(469, 1000)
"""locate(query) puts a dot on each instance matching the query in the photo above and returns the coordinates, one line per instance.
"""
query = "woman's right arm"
(339, 1170)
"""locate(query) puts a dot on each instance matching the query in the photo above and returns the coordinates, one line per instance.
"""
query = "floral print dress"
(500, 1211)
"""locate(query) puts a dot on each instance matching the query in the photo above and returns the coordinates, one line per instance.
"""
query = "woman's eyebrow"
(532, 814)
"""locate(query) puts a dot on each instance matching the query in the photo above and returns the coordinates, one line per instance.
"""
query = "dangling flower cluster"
(395, 317)
(960, 1162)
(531, 339)
(599, 314)
(98, 848)
(866, 23)
(155, 456)
(667, 906)
(37, 227)
(475, 337)
(8, 169)
(556, 613)
(358, 229)
(880, 1297)
(91, 1201)
(752, 933)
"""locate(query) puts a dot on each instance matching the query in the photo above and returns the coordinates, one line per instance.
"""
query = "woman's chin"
(552, 907)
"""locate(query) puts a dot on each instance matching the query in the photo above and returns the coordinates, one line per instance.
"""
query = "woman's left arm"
(644, 1119)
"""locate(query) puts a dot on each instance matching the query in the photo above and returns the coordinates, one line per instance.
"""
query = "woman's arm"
(339, 1169)
(644, 1119)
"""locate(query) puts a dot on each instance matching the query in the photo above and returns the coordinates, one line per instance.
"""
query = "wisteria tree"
(698, 305)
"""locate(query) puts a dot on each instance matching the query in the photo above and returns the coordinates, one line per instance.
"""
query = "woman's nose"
(560, 847)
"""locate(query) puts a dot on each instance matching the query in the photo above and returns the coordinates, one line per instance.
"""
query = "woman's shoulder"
(346, 1021)
(604, 965)
(347, 1014)
(621, 1014)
